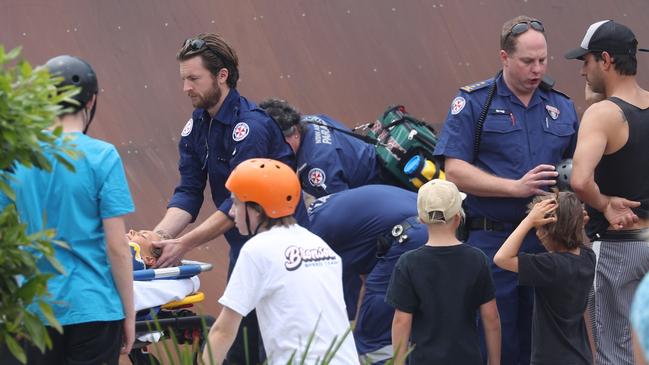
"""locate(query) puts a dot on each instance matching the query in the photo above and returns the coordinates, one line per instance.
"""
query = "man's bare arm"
(598, 124)
(174, 221)
(477, 182)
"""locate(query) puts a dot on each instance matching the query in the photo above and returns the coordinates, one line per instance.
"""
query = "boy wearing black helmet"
(93, 298)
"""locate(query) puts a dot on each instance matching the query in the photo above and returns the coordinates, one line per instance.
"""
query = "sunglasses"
(195, 45)
(522, 27)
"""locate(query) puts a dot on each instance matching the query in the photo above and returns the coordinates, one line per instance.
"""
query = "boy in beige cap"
(438, 288)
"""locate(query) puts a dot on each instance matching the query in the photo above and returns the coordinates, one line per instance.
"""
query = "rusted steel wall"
(348, 59)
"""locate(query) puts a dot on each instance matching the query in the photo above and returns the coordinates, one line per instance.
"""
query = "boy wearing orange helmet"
(289, 275)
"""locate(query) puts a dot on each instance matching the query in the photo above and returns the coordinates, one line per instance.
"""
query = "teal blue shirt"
(74, 204)
(640, 313)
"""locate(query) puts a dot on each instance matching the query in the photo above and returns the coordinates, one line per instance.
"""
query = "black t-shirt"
(442, 287)
(561, 282)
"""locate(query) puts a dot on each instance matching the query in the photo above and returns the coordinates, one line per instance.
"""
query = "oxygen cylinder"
(419, 168)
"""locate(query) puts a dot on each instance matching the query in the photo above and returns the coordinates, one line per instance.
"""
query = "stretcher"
(174, 319)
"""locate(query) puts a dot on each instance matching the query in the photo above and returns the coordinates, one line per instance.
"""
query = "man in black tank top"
(610, 175)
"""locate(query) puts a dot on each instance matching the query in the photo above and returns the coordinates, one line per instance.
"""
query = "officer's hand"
(172, 251)
(618, 212)
(535, 180)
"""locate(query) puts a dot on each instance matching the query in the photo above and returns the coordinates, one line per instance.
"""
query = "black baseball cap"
(609, 36)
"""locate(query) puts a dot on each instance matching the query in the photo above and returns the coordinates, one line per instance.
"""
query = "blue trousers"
(515, 303)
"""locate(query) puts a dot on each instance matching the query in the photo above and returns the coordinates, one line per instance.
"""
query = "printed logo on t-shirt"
(188, 128)
(240, 131)
(319, 256)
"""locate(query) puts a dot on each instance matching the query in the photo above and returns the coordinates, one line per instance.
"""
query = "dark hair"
(568, 229)
(284, 114)
(271, 222)
(217, 54)
(624, 64)
(507, 40)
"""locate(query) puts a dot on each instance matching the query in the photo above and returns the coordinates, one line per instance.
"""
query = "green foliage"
(29, 103)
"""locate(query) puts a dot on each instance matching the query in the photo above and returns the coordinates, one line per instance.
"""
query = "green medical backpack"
(405, 148)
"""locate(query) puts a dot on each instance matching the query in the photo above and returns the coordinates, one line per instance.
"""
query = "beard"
(211, 98)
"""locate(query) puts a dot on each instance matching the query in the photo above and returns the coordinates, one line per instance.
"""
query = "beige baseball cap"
(438, 201)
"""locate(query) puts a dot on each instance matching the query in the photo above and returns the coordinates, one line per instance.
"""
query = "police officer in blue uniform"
(328, 160)
(369, 227)
(225, 129)
(526, 130)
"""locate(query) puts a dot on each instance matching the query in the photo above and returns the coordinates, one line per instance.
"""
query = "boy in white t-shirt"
(289, 275)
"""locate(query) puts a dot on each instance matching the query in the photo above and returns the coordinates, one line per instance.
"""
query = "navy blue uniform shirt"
(210, 148)
(351, 222)
(515, 139)
(329, 161)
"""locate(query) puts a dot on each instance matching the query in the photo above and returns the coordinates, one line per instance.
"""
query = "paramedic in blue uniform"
(373, 330)
(328, 161)
(359, 225)
(224, 130)
(527, 130)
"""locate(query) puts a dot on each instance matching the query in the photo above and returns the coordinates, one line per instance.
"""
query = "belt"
(398, 234)
(629, 235)
(486, 224)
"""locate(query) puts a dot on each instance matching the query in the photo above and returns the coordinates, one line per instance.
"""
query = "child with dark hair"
(561, 277)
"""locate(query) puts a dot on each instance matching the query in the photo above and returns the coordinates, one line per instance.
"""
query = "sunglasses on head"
(522, 27)
(195, 45)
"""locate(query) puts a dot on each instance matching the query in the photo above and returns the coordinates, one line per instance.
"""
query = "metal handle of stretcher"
(187, 269)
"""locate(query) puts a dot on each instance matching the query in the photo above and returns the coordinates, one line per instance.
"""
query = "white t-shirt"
(294, 280)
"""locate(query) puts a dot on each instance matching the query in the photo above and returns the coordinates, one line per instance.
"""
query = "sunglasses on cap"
(522, 27)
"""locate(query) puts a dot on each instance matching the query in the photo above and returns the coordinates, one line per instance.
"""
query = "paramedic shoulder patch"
(240, 131)
(457, 105)
(188, 128)
(317, 177)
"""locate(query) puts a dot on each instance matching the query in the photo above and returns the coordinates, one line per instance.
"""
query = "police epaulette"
(477, 86)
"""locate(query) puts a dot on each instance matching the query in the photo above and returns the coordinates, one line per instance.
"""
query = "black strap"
(483, 115)
(366, 139)
(546, 85)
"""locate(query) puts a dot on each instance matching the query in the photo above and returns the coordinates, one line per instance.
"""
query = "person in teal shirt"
(93, 298)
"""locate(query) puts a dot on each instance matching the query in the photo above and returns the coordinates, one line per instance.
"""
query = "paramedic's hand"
(618, 212)
(172, 252)
(533, 182)
(129, 334)
(542, 213)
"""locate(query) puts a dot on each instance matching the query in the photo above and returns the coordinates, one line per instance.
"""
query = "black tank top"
(625, 173)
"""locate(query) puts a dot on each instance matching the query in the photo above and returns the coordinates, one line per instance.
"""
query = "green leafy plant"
(176, 353)
(29, 104)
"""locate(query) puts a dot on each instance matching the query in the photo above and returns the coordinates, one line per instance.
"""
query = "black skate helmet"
(564, 168)
(77, 72)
